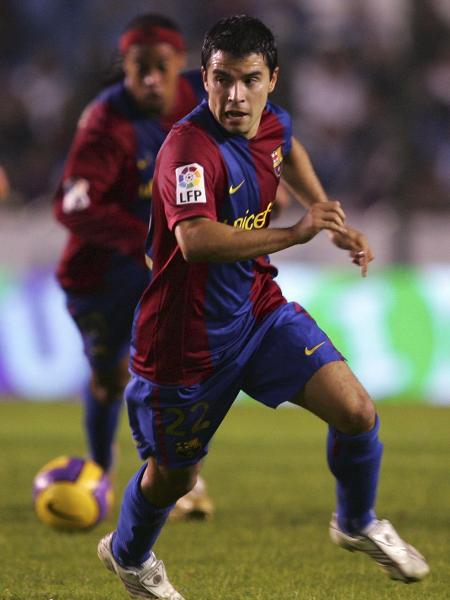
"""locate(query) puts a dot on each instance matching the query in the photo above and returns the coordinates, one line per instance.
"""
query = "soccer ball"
(72, 493)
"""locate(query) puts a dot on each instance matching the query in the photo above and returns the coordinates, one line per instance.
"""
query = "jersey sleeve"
(285, 120)
(95, 162)
(188, 176)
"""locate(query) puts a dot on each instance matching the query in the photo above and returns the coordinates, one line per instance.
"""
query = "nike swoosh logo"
(233, 190)
(309, 351)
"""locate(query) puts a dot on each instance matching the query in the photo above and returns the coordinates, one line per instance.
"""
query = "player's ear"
(204, 77)
(125, 64)
(274, 79)
(182, 60)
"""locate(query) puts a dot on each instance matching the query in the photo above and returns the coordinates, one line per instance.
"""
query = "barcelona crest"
(188, 449)
(277, 159)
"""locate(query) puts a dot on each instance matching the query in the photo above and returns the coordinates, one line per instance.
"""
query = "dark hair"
(151, 20)
(241, 35)
(114, 72)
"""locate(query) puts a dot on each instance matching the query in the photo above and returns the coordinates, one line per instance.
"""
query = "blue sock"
(139, 525)
(101, 422)
(355, 462)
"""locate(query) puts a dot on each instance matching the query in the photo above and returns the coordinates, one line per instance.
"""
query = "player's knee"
(179, 480)
(165, 486)
(359, 416)
(183, 482)
(107, 387)
(123, 375)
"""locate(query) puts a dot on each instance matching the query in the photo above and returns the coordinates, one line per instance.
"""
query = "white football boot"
(147, 581)
(381, 542)
(195, 505)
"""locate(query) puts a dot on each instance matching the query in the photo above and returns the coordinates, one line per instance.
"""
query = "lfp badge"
(190, 184)
(190, 176)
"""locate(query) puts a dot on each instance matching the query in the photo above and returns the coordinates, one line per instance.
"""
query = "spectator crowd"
(368, 83)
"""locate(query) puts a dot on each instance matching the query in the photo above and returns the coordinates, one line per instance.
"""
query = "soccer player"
(213, 320)
(104, 201)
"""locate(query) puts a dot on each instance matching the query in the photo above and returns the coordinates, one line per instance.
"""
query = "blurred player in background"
(104, 201)
(213, 320)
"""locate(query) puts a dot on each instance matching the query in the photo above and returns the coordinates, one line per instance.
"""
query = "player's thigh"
(104, 321)
(288, 355)
(174, 424)
(108, 383)
(334, 394)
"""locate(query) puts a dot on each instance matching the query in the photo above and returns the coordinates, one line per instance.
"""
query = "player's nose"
(151, 78)
(235, 92)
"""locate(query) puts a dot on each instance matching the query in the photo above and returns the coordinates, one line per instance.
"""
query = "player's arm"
(81, 204)
(301, 180)
(205, 240)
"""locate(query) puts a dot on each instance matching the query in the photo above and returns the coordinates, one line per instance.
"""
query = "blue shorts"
(175, 424)
(104, 319)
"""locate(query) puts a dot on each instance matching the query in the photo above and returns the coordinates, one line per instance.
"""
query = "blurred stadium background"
(368, 84)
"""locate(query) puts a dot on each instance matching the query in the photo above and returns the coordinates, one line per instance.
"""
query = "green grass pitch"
(268, 539)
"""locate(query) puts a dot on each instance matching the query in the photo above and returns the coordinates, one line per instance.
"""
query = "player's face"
(151, 75)
(237, 90)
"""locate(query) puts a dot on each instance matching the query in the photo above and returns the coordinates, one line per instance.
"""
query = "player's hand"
(358, 246)
(322, 215)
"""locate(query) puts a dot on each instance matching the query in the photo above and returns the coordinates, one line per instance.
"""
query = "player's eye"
(142, 68)
(222, 80)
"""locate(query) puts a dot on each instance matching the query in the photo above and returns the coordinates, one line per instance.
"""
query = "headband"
(151, 36)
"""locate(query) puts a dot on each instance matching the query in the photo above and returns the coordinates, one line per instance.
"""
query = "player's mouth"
(152, 95)
(152, 100)
(235, 116)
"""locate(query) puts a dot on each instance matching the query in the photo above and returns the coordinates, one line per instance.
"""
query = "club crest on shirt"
(188, 448)
(277, 159)
(190, 184)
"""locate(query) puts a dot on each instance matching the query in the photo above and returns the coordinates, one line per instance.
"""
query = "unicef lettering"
(253, 221)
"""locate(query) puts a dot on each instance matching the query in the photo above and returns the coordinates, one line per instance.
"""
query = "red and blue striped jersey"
(104, 197)
(192, 316)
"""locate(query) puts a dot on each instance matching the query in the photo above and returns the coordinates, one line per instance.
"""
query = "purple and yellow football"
(72, 493)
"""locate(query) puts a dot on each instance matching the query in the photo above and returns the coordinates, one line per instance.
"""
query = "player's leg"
(104, 321)
(149, 496)
(102, 408)
(105, 343)
(128, 550)
(173, 426)
(297, 361)
(147, 502)
(103, 403)
(354, 451)
(354, 456)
